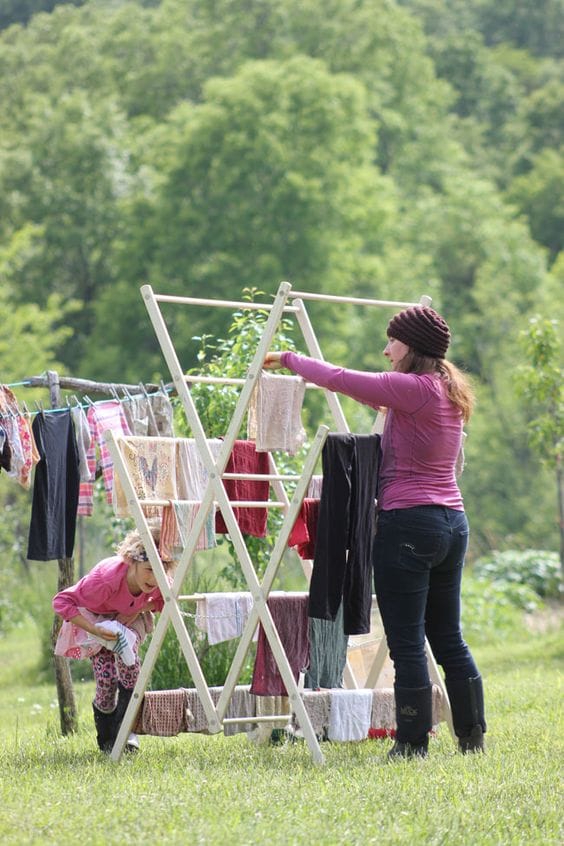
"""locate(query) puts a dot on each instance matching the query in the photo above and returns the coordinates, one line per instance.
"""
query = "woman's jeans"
(418, 559)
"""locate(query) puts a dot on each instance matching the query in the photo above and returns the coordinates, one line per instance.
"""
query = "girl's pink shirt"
(422, 435)
(104, 590)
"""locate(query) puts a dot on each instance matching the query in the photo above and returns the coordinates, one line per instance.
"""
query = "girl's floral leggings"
(109, 671)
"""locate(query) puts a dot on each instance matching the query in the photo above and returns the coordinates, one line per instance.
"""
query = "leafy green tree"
(63, 187)
(270, 178)
(541, 384)
(20, 11)
(539, 194)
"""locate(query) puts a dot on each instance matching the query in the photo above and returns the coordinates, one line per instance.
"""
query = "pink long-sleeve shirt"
(422, 433)
(104, 590)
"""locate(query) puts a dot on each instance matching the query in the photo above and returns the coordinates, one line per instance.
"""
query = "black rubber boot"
(467, 705)
(414, 721)
(104, 729)
(124, 696)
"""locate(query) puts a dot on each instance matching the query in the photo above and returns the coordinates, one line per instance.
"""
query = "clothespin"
(39, 404)
(88, 400)
(114, 393)
(144, 390)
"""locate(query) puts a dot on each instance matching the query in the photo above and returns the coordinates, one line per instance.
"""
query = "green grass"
(215, 790)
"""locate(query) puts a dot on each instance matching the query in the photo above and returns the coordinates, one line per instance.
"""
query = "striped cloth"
(101, 417)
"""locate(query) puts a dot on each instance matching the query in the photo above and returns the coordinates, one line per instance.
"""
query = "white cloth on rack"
(191, 473)
(274, 415)
(223, 615)
(349, 718)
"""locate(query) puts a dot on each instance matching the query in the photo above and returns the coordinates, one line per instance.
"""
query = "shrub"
(537, 569)
(490, 607)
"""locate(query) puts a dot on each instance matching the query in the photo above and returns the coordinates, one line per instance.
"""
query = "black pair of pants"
(55, 488)
(346, 522)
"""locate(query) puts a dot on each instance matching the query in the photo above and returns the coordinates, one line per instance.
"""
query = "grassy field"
(215, 790)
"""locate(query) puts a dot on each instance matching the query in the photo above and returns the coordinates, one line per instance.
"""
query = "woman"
(422, 531)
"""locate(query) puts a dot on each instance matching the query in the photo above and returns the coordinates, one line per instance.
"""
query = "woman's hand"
(272, 361)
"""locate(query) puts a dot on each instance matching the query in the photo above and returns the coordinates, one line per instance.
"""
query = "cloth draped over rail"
(337, 715)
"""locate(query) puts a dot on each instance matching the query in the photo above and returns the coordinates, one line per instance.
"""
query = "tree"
(270, 178)
(541, 384)
(21, 11)
(63, 188)
(539, 194)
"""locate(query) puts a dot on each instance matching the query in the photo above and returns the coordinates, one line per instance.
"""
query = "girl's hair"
(132, 547)
(458, 386)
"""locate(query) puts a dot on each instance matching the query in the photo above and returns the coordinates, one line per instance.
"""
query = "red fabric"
(304, 533)
(378, 733)
(289, 614)
(245, 459)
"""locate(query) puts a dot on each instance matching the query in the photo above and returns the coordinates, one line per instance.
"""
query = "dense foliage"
(384, 149)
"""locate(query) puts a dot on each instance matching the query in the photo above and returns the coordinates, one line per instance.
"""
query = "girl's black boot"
(104, 723)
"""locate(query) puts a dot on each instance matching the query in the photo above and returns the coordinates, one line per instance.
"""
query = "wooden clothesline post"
(65, 691)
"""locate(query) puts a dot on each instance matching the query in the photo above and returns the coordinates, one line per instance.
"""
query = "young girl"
(107, 614)
(422, 531)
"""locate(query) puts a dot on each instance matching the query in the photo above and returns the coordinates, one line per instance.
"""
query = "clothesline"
(77, 404)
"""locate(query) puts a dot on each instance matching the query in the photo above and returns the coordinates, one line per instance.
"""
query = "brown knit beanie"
(422, 329)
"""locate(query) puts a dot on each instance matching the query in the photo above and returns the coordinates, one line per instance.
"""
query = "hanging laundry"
(304, 532)
(192, 475)
(30, 452)
(162, 414)
(318, 706)
(5, 450)
(327, 652)
(55, 489)
(83, 441)
(151, 465)
(10, 414)
(101, 417)
(346, 522)
(269, 706)
(192, 478)
(164, 713)
(176, 525)
(289, 614)
(245, 459)
(349, 717)
(223, 615)
(274, 417)
(314, 488)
